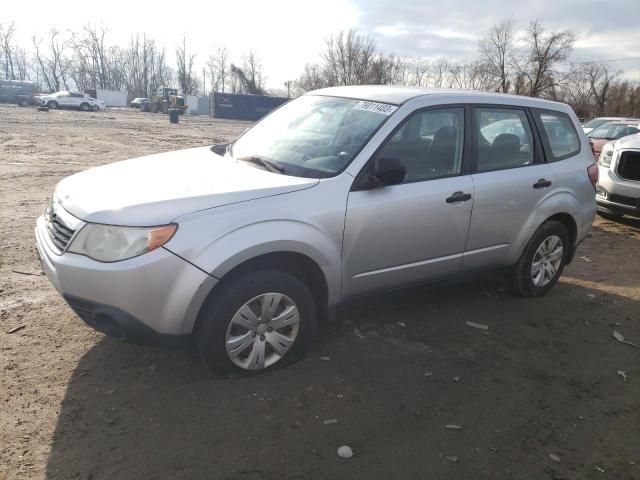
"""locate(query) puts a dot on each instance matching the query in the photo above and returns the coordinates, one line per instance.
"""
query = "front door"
(416, 230)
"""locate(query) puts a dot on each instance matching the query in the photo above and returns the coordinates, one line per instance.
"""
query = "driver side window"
(429, 144)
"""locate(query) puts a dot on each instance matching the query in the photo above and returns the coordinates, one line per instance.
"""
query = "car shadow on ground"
(401, 378)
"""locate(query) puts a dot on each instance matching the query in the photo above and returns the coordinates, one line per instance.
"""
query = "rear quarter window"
(559, 136)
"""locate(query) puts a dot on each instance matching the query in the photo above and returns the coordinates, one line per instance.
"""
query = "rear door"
(510, 177)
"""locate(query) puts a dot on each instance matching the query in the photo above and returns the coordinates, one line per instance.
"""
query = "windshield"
(612, 131)
(313, 136)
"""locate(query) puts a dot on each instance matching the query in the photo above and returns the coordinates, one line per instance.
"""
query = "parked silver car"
(599, 121)
(339, 193)
(618, 190)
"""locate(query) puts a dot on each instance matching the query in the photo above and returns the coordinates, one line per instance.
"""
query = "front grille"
(624, 200)
(629, 165)
(59, 233)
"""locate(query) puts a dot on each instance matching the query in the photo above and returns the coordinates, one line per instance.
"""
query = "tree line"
(86, 59)
(535, 62)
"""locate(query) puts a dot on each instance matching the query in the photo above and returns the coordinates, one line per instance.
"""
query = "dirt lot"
(542, 381)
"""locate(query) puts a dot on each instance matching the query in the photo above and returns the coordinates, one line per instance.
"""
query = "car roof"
(631, 121)
(615, 118)
(397, 95)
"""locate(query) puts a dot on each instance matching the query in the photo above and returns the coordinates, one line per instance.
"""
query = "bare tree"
(249, 77)
(312, 78)
(146, 68)
(497, 48)
(348, 57)
(219, 69)
(8, 50)
(187, 80)
(52, 63)
(600, 79)
(537, 71)
(438, 73)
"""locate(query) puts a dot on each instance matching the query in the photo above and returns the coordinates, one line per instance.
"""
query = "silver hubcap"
(547, 261)
(262, 331)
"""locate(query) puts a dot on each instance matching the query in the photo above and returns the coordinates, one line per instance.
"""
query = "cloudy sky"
(286, 34)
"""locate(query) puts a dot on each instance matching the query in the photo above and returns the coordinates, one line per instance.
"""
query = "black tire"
(84, 107)
(52, 104)
(522, 281)
(220, 308)
(23, 102)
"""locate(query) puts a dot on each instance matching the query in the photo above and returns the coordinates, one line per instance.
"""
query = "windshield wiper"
(263, 162)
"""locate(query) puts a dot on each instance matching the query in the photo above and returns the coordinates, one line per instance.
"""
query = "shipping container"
(244, 107)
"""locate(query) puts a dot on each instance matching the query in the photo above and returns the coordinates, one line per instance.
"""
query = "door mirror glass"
(387, 171)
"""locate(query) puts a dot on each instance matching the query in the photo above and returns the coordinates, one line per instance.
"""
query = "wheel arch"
(301, 266)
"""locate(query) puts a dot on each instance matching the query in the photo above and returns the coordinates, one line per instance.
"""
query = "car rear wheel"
(256, 322)
(52, 104)
(23, 102)
(542, 261)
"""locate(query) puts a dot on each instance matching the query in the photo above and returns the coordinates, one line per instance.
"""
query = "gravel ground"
(536, 396)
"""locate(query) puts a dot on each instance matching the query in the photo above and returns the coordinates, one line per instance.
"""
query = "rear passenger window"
(429, 144)
(562, 138)
(503, 139)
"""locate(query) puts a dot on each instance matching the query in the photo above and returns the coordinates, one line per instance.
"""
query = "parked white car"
(79, 101)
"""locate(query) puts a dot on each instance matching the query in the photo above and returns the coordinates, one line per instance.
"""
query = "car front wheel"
(256, 322)
(84, 107)
(542, 261)
(52, 104)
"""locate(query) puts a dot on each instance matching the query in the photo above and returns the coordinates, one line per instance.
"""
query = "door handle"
(542, 183)
(459, 197)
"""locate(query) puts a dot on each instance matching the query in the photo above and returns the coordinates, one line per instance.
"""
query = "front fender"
(556, 202)
(237, 246)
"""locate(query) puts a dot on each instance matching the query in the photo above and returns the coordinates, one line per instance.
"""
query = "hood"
(630, 141)
(155, 189)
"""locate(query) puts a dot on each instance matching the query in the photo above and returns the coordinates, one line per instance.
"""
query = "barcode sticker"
(383, 108)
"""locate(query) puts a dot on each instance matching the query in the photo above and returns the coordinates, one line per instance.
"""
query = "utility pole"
(204, 81)
(288, 85)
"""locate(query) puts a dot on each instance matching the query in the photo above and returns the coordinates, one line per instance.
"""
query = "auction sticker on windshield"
(382, 108)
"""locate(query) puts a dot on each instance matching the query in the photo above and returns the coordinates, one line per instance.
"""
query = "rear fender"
(559, 201)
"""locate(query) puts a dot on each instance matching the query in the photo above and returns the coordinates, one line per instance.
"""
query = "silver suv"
(339, 193)
(618, 190)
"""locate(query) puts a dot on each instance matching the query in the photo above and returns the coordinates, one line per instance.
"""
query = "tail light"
(592, 170)
(593, 150)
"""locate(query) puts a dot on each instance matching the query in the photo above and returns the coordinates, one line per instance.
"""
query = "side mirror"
(220, 148)
(387, 171)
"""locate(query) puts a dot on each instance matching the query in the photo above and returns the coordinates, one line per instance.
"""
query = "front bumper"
(615, 195)
(154, 295)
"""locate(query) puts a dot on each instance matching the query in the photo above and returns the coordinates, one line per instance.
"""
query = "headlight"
(605, 157)
(107, 243)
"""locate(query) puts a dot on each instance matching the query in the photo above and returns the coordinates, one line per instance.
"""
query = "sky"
(287, 34)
